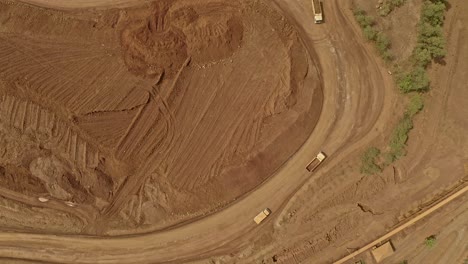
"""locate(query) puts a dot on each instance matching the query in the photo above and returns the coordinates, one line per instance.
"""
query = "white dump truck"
(317, 8)
(316, 161)
(262, 215)
(43, 199)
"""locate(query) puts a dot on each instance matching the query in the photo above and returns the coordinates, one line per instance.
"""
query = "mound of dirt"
(152, 115)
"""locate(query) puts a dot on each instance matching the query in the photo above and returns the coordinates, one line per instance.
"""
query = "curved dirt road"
(354, 109)
(65, 4)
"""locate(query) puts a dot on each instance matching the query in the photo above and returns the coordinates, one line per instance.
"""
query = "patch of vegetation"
(430, 46)
(414, 81)
(404, 262)
(416, 104)
(430, 241)
(382, 42)
(369, 161)
(389, 5)
(363, 19)
(399, 138)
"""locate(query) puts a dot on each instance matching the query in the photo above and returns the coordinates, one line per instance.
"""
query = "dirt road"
(407, 224)
(84, 3)
(354, 111)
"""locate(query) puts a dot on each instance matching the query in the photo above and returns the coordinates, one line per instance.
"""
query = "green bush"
(370, 33)
(432, 39)
(383, 43)
(387, 56)
(431, 42)
(363, 19)
(433, 12)
(385, 9)
(397, 3)
(400, 137)
(416, 104)
(422, 56)
(430, 241)
(389, 6)
(369, 165)
(415, 81)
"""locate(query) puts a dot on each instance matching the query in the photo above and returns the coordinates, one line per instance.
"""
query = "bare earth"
(173, 123)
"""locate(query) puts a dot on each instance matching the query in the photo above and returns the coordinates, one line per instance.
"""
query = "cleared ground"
(317, 218)
(152, 115)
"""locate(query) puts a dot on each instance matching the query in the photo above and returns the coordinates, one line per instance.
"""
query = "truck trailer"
(262, 215)
(317, 8)
(316, 161)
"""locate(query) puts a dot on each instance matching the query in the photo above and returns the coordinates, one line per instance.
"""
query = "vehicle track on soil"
(233, 227)
(405, 225)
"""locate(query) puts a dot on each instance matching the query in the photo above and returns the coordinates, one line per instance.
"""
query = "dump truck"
(317, 8)
(262, 215)
(70, 203)
(43, 199)
(316, 161)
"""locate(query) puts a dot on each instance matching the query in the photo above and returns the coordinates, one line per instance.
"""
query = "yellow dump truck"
(262, 215)
(317, 8)
(316, 161)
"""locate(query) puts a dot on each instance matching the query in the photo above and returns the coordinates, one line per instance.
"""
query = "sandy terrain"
(152, 116)
(186, 118)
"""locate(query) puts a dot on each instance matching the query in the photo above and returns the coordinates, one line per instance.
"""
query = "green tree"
(383, 43)
(363, 19)
(415, 81)
(431, 38)
(370, 33)
(433, 12)
(416, 104)
(422, 56)
(400, 137)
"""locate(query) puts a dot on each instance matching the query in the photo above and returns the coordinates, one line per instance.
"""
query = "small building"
(383, 251)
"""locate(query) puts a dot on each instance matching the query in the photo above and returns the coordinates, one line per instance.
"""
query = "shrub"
(389, 6)
(422, 56)
(433, 12)
(385, 9)
(363, 19)
(370, 33)
(416, 104)
(430, 241)
(415, 81)
(431, 38)
(368, 159)
(431, 41)
(387, 56)
(397, 3)
(400, 137)
(383, 43)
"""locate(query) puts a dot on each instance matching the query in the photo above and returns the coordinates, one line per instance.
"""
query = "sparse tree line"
(430, 47)
(389, 5)
(382, 42)
(372, 162)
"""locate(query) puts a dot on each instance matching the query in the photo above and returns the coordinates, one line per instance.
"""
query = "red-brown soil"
(150, 115)
(263, 61)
